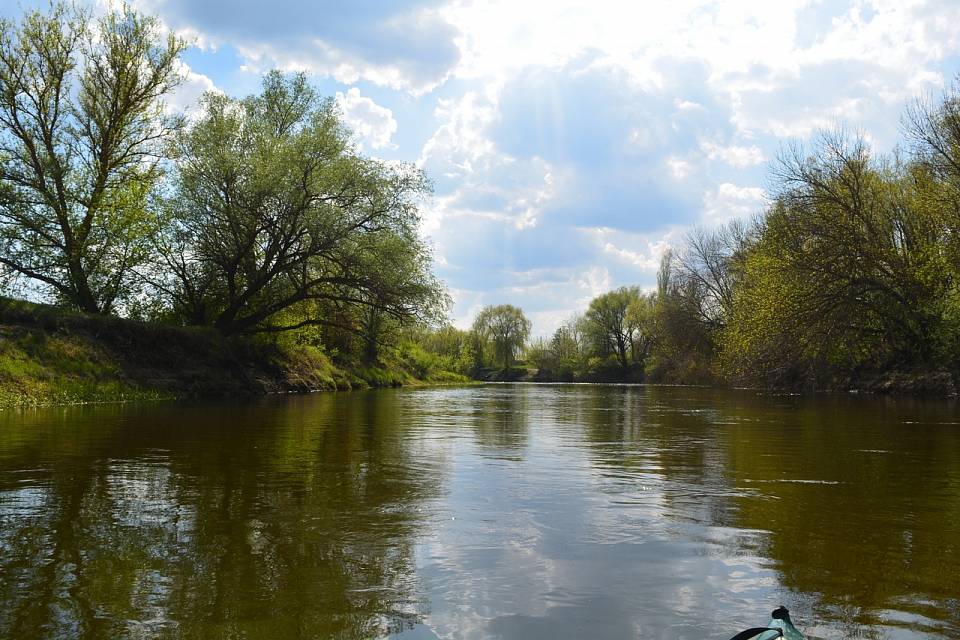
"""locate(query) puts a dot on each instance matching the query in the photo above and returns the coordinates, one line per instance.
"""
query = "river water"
(499, 511)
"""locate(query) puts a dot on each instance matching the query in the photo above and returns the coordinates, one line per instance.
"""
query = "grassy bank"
(48, 356)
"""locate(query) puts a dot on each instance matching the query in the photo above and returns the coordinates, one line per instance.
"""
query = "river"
(498, 511)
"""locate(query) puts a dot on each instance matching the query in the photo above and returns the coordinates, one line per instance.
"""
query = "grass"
(51, 357)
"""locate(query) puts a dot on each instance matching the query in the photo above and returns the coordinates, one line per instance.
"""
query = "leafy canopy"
(82, 124)
(272, 208)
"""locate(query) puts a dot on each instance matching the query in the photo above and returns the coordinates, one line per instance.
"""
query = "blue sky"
(571, 143)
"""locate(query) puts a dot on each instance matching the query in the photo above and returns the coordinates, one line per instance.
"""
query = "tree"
(539, 354)
(505, 328)
(849, 270)
(81, 127)
(608, 325)
(568, 345)
(858, 237)
(706, 270)
(764, 340)
(683, 348)
(641, 327)
(452, 346)
(272, 208)
(933, 126)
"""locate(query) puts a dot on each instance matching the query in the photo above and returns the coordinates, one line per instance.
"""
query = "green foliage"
(272, 208)
(540, 355)
(82, 122)
(422, 363)
(431, 352)
(501, 331)
(620, 324)
(48, 356)
(762, 341)
(849, 272)
(260, 216)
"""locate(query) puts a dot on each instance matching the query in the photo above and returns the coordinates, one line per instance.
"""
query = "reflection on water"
(504, 511)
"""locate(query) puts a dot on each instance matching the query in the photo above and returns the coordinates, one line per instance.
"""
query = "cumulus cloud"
(186, 98)
(729, 201)
(619, 151)
(372, 124)
(473, 176)
(734, 155)
(406, 45)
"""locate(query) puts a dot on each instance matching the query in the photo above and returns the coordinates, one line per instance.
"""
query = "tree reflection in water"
(274, 519)
(504, 511)
(855, 502)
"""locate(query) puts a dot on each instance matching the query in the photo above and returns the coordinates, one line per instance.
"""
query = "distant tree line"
(853, 269)
(255, 215)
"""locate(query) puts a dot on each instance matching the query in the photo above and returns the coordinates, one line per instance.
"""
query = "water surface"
(502, 511)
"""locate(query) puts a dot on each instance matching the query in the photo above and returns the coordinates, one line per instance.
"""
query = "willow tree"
(505, 328)
(82, 121)
(272, 216)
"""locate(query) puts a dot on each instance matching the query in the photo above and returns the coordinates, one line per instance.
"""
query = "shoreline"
(49, 357)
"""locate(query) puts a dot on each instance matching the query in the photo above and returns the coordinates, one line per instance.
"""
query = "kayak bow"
(779, 626)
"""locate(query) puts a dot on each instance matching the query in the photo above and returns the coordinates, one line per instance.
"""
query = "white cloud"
(373, 124)
(647, 261)
(476, 178)
(500, 36)
(734, 155)
(700, 80)
(406, 45)
(186, 98)
(678, 167)
(641, 252)
(728, 201)
(688, 105)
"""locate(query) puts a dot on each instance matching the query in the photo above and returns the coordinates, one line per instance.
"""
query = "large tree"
(505, 328)
(272, 211)
(933, 127)
(82, 121)
(620, 323)
(568, 342)
(849, 270)
(859, 236)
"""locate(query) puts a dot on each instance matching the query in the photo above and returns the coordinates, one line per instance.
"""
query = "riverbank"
(52, 357)
(49, 357)
(899, 382)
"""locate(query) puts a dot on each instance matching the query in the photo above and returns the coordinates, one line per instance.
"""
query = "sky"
(570, 143)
